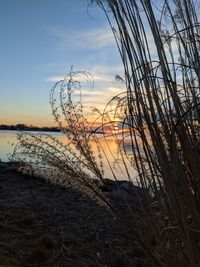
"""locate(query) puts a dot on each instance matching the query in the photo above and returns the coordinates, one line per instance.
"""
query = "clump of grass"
(73, 161)
(159, 47)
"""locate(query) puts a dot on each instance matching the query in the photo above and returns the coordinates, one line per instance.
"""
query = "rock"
(123, 188)
(9, 166)
(109, 185)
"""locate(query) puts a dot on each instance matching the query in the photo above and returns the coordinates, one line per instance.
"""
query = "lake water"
(9, 138)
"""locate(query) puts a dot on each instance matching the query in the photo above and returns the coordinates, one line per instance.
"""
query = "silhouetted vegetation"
(24, 127)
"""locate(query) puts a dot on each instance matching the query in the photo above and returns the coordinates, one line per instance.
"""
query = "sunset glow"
(39, 47)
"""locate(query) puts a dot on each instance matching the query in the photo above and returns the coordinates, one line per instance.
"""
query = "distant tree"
(21, 126)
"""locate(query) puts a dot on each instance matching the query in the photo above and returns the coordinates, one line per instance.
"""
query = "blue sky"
(40, 41)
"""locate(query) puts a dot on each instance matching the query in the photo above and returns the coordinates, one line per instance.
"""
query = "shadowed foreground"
(42, 224)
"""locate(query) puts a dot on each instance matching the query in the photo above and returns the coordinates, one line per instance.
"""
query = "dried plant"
(76, 159)
(158, 42)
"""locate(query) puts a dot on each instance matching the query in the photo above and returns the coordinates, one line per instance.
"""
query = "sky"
(40, 41)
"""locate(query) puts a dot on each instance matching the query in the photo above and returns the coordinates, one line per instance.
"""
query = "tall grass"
(158, 42)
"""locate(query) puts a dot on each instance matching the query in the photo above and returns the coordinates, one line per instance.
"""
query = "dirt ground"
(43, 224)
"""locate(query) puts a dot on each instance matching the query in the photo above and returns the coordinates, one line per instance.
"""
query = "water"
(7, 141)
(9, 138)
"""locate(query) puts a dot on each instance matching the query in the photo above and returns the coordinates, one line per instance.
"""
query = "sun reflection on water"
(109, 148)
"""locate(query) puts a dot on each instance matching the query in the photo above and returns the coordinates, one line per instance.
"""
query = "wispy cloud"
(96, 78)
(105, 86)
(96, 49)
(92, 39)
(109, 69)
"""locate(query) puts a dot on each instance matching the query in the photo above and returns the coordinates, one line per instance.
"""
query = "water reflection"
(109, 148)
(7, 140)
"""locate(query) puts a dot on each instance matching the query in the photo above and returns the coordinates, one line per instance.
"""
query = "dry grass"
(159, 47)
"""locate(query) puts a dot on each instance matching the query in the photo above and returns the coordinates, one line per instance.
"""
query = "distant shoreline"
(23, 127)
